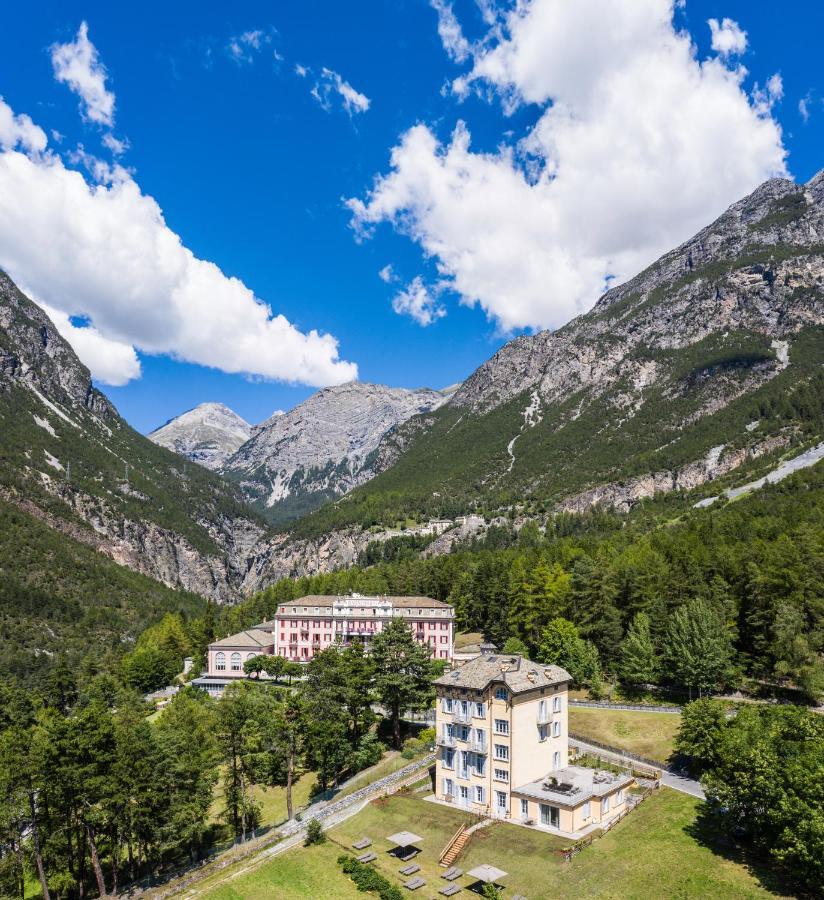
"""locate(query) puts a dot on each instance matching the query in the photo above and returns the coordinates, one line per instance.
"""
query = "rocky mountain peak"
(322, 447)
(208, 434)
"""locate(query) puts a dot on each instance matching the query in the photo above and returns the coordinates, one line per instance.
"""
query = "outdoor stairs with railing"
(455, 847)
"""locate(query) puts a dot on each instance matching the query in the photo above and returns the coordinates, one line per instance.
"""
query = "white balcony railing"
(460, 715)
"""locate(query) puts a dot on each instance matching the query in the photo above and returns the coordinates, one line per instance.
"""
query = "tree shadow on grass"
(706, 831)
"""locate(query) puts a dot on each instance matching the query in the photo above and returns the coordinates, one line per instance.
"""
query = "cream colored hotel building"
(503, 748)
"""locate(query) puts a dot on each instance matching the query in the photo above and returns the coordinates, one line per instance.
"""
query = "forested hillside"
(62, 603)
(64, 447)
(747, 576)
(707, 360)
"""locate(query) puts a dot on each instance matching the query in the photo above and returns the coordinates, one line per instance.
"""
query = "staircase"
(455, 846)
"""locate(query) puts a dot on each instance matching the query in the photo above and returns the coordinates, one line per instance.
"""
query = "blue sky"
(252, 172)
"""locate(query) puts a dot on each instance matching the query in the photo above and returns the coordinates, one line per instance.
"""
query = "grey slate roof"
(253, 638)
(518, 673)
(398, 602)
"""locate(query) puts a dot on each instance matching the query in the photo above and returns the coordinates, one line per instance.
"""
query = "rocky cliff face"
(208, 434)
(758, 267)
(661, 386)
(323, 447)
(67, 457)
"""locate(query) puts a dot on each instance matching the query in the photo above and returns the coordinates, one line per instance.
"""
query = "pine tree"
(403, 673)
(639, 659)
(698, 648)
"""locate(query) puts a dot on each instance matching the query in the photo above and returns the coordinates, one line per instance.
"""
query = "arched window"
(235, 662)
(220, 662)
(251, 655)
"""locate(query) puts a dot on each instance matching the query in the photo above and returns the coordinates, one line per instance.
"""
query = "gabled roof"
(518, 673)
(397, 602)
(253, 638)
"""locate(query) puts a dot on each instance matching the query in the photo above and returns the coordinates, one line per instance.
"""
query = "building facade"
(503, 747)
(302, 628)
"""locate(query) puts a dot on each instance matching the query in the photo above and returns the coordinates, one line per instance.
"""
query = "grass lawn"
(467, 639)
(652, 853)
(650, 734)
(272, 800)
(308, 872)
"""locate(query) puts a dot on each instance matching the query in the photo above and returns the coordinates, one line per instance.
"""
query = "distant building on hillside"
(503, 751)
(302, 628)
(306, 626)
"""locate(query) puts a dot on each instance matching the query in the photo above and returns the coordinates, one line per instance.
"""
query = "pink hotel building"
(306, 626)
(301, 628)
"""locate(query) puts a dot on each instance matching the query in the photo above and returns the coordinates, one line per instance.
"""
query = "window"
(587, 809)
(556, 729)
(463, 733)
(464, 792)
(235, 662)
(542, 732)
(525, 808)
(556, 704)
(619, 798)
(448, 787)
(501, 751)
(501, 775)
(479, 794)
(447, 704)
(500, 693)
(542, 710)
(444, 639)
(550, 816)
(556, 760)
(251, 655)
(501, 726)
(220, 662)
(480, 710)
(604, 806)
(500, 799)
(448, 758)
(480, 764)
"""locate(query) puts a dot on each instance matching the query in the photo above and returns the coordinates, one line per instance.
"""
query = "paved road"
(669, 777)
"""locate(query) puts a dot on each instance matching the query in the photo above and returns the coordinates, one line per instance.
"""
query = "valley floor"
(657, 851)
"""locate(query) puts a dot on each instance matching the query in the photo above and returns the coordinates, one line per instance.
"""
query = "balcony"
(458, 715)
(545, 716)
(446, 740)
(477, 745)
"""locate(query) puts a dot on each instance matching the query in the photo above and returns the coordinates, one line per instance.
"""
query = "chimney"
(487, 649)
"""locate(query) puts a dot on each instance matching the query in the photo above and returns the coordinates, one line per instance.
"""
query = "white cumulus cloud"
(104, 252)
(624, 162)
(76, 63)
(728, 38)
(417, 301)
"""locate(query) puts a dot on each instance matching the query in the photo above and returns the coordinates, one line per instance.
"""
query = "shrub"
(368, 879)
(314, 833)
